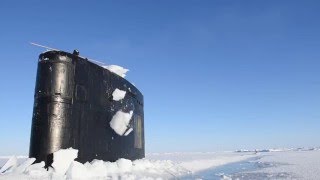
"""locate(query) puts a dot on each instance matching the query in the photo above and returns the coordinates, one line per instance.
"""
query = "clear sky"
(216, 75)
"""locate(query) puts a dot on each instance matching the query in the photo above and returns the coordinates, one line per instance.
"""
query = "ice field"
(243, 164)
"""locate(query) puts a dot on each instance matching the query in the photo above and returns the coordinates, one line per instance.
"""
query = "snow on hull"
(120, 121)
(118, 94)
(117, 70)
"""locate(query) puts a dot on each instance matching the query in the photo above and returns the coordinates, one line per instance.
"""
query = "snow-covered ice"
(120, 122)
(266, 150)
(10, 164)
(118, 94)
(288, 165)
(36, 170)
(77, 170)
(117, 70)
(25, 165)
(62, 159)
(285, 164)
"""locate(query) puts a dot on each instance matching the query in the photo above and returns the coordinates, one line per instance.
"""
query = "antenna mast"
(52, 49)
(46, 47)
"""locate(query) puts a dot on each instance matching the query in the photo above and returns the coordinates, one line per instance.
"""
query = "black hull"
(73, 107)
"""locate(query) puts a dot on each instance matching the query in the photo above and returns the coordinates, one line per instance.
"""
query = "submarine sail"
(73, 107)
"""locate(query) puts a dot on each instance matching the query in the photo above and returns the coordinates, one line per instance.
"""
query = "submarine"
(74, 105)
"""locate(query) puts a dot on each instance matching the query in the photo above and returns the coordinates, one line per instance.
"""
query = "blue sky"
(216, 75)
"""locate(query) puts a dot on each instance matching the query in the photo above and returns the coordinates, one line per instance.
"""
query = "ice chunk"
(120, 121)
(77, 171)
(111, 167)
(35, 166)
(37, 170)
(117, 70)
(128, 132)
(118, 94)
(62, 159)
(142, 165)
(98, 169)
(10, 164)
(124, 165)
(21, 168)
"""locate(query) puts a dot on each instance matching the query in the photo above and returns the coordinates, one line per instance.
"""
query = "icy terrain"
(248, 164)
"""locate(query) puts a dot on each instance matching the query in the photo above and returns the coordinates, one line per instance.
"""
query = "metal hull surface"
(73, 107)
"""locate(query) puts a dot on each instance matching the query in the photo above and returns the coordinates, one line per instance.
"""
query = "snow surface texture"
(120, 122)
(117, 70)
(281, 164)
(118, 94)
(290, 165)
